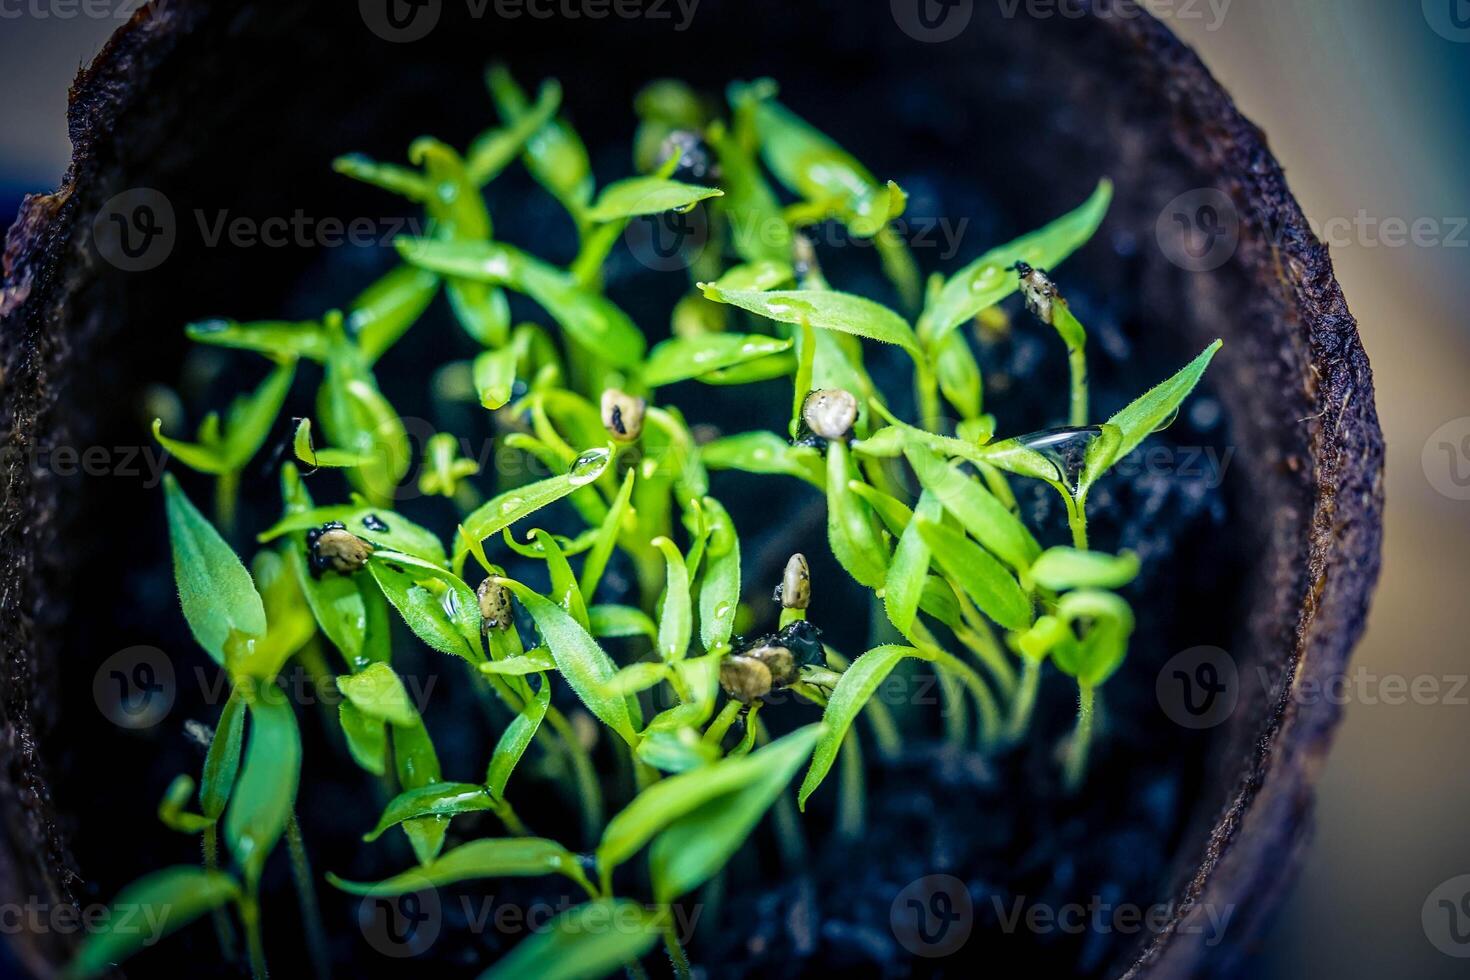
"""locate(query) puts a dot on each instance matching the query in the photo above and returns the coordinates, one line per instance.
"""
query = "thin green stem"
(226, 496)
(715, 734)
(1077, 362)
(512, 820)
(1077, 520)
(789, 839)
(990, 718)
(1025, 699)
(224, 929)
(677, 956)
(249, 905)
(589, 790)
(851, 791)
(1081, 738)
(311, 913)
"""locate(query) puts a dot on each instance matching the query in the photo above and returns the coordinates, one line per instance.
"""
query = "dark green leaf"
(155, 905)
(589, 941)
(217, 593)
(683, 358)
(263, 800)
(983, 579)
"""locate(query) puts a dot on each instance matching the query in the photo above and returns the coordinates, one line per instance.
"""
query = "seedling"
(978, 599)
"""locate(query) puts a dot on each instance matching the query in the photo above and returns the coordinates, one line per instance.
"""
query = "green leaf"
(855, 542)
(858, 684)
(682, 358)
(378, 693)
(983, 579)
(612, 526)
(839, 312)
(555, 155)
(1153, 409)
(247, 425)
(1108, 623)
(590, 319)
(385, 530)
(155, 905)
(638, 196)
(1060, 569)
(367, 738)
(904, 585)
(385, 310)
(677, 750)
(662, 804)
(513, 505)
(306, 451)
(700, 841)
(495, 149)
(619, 622)
(355, 416)
(591, 940)
(976, 508)
(759, 275)
(532, 662)
(637, 677)
(171, 812)
(515, 739)
(495, 376)
(222, 761)
(584, 664)
(417, 765)
(278, 338)
(510, 857)
(719, 590)
(441, 800)
(266, 794)
(389, 176)
(437, 605)
(564, 586)
(765, 454)
(676, 620)
(758, 230)
(215, 590)
(990, 279)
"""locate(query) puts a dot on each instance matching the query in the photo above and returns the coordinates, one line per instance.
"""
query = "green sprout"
(968, 591)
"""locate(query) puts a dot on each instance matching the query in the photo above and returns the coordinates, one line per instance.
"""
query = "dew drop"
(589, 466)
(1169, 420)
(1064, 448)
(510, 505)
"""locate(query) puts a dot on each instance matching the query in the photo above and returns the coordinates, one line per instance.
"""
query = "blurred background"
(1366, 105)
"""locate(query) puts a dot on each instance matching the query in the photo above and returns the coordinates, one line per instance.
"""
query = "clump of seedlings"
(967, 589)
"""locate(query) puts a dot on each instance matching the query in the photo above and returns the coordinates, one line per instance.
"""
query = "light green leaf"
(495, 149)
(619, 622)
(990, 278)
(719, 590)
(983, 579)
(1060, 569)
(215, 590)
(589, 941)
(378, 693)
(389, 176)
(1153, 409)
(683, 358)
(616, 522)
(386, 309)
(495, 376)
(1108, 623)
(437, 605)
(850, 531)
(172, 898)
(531, 662)
(700, 841)
(367, 738)
(171, 812)
(441, 800)
(278, 338)
(509, 857)
(976, 508)
(222, 761)
(904, 585)
(676, 620)
(839, 312)
(662, 804)
(590, 319)
(266, 794)
(584, 664)
(638, 196)
(766, 454)
(513, 505)
(555, 154)
(385, 530)
(858, 684)
(515, 739)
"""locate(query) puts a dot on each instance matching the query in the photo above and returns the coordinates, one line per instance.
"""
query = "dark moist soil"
(1001, 825)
